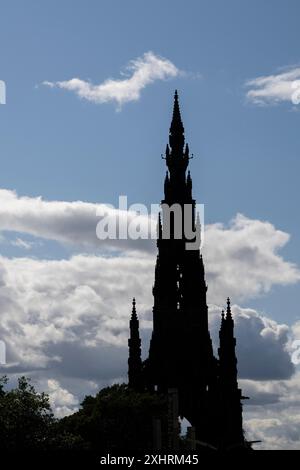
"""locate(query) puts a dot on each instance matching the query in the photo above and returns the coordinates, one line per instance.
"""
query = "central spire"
(177, 157)
(176, 135)
(176, 124)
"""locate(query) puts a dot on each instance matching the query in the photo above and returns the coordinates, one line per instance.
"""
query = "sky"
(89, 90)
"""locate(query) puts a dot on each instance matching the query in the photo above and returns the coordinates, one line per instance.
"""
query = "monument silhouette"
(181, 357)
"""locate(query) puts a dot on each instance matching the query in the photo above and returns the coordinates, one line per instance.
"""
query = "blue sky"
(57, 146)
(60, 147)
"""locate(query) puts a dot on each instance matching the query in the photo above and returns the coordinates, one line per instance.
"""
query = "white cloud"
(296, 329)
(65, 222)
(72, 316)
(53, 312)
(241, 259)
(62, 401)
(65, 323)
(54, 309)
(273, 414)
(144, 71)
(280, 87)
(257, 337)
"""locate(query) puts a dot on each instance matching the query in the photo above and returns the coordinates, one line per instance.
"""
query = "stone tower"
(181, 354)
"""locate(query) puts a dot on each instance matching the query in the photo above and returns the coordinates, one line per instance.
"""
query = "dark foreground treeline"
(117, 420)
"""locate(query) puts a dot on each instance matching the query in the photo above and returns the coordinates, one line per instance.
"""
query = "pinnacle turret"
(134, 343)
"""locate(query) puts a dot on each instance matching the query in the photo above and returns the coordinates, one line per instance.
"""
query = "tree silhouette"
(117, 420)
(25, 416)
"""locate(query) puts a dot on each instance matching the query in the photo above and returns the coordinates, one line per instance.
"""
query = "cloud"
(69, 319)
(65, 321)
(257, 337)
(144, 70)
(62, 401)
(57, 311)
(271, 89)
(273, 413)
(70, 223)
(296, 330)
(241, 258)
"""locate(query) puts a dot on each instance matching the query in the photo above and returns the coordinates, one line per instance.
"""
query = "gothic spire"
(228, 312)
(134, 360)
(133, 314)
(176, 137)
(176, 124)
(231, 410)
